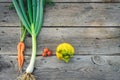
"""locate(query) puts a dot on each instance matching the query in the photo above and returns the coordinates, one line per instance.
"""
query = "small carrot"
(19, 58)
(20, 48)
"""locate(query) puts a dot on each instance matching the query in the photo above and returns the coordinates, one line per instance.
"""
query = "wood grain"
(74, 0)
(79, 68)
(97, 48)
(85, 40)
(75, 14)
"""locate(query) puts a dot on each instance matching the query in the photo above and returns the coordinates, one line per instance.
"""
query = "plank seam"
(67, 26)
(74, 2)
(113, 54)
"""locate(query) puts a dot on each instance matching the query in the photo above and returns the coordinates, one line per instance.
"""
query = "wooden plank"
(8, 17)
(85, 40)
(5, 1)
(86, 0)
(74, 0)
(79, 68)
(70, 14)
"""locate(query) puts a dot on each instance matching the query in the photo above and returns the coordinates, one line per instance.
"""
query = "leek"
(31, 17)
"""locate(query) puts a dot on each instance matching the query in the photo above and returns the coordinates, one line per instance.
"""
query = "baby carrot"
(19, 58)
(20, 48)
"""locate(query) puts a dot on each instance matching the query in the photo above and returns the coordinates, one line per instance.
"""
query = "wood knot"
(98, 60)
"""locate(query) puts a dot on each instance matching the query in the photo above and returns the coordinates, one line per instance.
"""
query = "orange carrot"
(19, 58)
(20, 48)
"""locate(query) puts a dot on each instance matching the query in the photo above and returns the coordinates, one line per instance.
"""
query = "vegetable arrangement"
(30, 13)
(64, 51)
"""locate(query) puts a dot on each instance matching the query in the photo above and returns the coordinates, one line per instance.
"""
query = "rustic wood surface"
(85, 40)
(70, 14)
(80, 68)
(74, 1)
(91, 26)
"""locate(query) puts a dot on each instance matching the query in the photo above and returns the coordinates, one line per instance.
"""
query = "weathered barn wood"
(74, 0)
(70, 14)
(85, 40)
(79, 68)
(91, 26)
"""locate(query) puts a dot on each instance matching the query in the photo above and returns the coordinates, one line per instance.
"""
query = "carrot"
(19, 58)
(20, 48)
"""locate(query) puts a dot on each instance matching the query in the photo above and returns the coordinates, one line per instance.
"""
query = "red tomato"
(45, 50)
(44, 54)
(49, 53)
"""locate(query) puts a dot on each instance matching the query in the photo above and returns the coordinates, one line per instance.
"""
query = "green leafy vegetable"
(31, 14)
